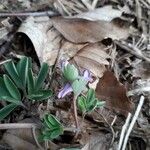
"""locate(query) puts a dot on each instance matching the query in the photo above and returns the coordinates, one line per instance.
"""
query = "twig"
(94, 3)
(112, 130)
(123, 131)
(133, 122)
(75, 111)
(138, 12)
(138, 91)
(35, 138)
(3, 62)
(17, 126)
(128, 49)
(25, 14)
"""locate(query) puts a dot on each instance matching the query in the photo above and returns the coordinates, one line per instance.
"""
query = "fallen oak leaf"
(114, 93)
(78, 30)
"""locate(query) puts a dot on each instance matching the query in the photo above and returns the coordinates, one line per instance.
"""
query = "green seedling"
(89, 102)
(52, 128)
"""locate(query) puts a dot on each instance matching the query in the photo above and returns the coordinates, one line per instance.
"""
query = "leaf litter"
(79, 39)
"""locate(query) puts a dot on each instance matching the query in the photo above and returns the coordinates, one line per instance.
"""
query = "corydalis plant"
(76, 83)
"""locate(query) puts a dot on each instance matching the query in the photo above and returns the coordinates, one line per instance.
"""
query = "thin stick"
(139, 90)
(133, 122)
(17, 126)
(75, 112)
(112, 130)
(25, 14)
(35, 138)
(124, 130)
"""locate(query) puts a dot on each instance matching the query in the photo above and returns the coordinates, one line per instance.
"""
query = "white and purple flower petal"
(66, 90)
(87, 76)
(63, 64)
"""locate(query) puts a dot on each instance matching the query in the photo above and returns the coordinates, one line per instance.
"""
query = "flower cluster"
(71, 74)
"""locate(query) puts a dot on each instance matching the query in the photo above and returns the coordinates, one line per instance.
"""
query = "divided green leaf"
(41, 76)
(23, 68)
(4, 112)
(12, 71)
(89, 103)
(79, 85)
(14, 92)
(52, 127)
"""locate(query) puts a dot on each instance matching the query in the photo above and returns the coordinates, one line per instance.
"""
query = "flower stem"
(75, 111)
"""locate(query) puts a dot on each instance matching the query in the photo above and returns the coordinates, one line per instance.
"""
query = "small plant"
(77, 83)
(52, 128)
(89, 102)
(22, 79)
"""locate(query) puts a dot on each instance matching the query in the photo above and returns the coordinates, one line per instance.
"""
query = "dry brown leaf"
(99, 141)
(47, 41)
(106, 13)
(22, 139)
(79, 30)
(93, 57)
(114, 93)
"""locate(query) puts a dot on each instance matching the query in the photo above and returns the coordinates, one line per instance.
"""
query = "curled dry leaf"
(47, 41)
(93, 57)
(114, 93)
(79, 30)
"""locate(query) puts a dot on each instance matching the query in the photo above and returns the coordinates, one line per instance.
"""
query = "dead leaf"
(106, 13)
(79, 30)
(114, 93)
(22, 139)
(99, 141)
(93, 57)
(17, 143)
(141, 70)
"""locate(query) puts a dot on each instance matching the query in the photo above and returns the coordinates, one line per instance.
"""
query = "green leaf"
(4, 112)
(52, 127)
(52, 119)
(14, 92)
(52, 134)
(42, 75)
(22, 68)
(90, 95)
(78, 86)
(55, 133)
(100, 103)
(51, 122)
(40, 95)
(70, 72)
(31, 82)
(12, 71)
(5, 95)
(82, 104)
(3, 89)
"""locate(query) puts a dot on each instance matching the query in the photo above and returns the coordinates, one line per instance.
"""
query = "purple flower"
(68, 89)
(63, 64)
(87, 76)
